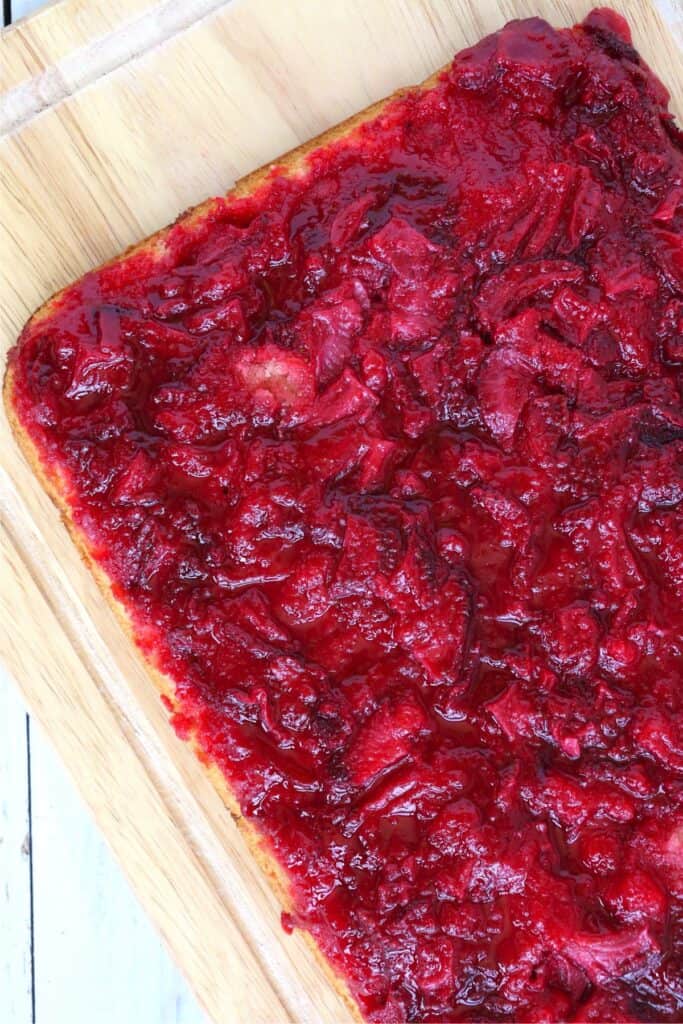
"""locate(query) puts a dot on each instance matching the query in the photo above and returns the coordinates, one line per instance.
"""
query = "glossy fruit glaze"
(385, 463)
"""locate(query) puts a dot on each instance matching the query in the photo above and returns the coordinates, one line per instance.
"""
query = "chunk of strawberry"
(635, 898)
(305, 595)
(551, 186)
(351, 220)
(570, 636)
(100, 368)
(600, 851)
(403, 248)
(135, 484)
(252, 610)
(227, 317)
(222, 282)
(657, 736)
(419, 308)
(431, 609)
(505, 385)
(279, 373)
(366, 547)
(577, 315)
(443, 372)
(552, 361)
(159, 340)
(327, 327)
(503, 293)
(336, 450)
(603, 1007)
(609, 957)
(387, 737)
(345, 398)
(513, 713)
(667, 252)
(434, 965)
(456, 831)
(572, 804)
(374, 370)
(586, 204)
(379, 460)
(510, 516)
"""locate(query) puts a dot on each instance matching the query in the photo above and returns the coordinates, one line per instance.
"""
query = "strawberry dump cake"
(382, 457)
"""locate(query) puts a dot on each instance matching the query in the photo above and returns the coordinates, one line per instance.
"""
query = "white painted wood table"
(75, 947)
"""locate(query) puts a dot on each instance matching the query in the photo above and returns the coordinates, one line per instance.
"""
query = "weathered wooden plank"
(97, 956)
(15, 865)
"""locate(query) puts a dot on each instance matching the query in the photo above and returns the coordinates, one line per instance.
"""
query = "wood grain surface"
(113, 118)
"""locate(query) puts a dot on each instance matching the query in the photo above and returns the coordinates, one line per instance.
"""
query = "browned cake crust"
(290, 164)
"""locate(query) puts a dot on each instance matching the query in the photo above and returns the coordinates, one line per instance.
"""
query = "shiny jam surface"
(385, 463)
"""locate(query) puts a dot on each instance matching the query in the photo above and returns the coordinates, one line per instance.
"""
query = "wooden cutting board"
(113, 118)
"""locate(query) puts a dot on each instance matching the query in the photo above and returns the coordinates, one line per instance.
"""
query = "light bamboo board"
(113, 118)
